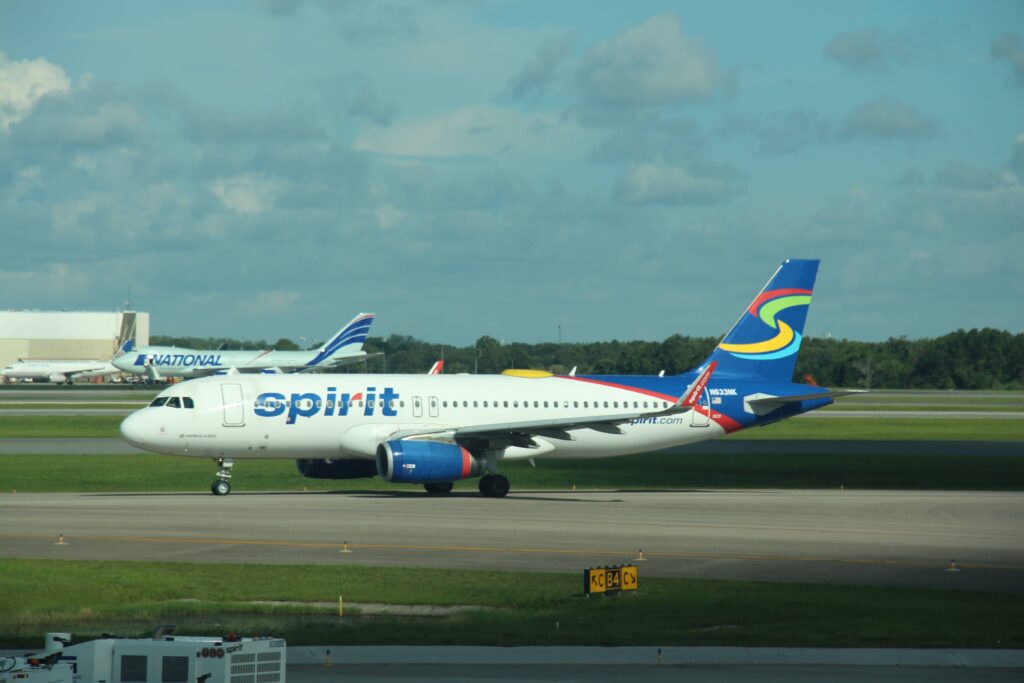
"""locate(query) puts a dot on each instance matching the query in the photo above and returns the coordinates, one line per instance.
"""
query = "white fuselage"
(347, 416)
(170, 361)
(59, 370)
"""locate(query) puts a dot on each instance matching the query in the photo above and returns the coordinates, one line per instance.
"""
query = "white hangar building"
(68, 335)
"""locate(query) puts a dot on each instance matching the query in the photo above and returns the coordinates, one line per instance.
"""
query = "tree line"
(964, 359)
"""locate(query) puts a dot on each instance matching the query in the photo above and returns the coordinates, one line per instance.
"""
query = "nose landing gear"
(222, 486)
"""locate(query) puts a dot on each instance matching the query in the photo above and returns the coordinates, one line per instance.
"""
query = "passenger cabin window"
(187, 401)
(158, 401)
(173, 402)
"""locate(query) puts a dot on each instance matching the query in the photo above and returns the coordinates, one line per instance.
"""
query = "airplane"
(436, 430)
(58, 371)
(158, 362)
(437, 368)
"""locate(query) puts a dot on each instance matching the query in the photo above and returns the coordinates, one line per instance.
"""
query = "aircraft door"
(433, 404)
(234, 408)
(417, 406)
(700, 416)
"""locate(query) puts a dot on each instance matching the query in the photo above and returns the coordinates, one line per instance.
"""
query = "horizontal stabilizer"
(760, 404)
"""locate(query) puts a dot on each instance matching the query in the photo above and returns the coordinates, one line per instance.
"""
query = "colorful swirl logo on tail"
(766, 308)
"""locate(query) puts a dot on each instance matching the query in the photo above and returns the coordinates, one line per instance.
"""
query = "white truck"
(161, 659)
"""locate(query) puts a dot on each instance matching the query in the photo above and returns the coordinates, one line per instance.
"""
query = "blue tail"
(352, 335)
(763, 344)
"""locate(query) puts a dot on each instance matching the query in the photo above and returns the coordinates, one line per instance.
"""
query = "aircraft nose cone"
(133, 429)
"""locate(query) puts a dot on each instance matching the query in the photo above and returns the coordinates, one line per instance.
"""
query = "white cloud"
(483, 130)
(271, 302)
(25, 82)
(664, 184)
(1010, 48)
(247, 194)
(889, 117)
(865, 50)
(653, 63)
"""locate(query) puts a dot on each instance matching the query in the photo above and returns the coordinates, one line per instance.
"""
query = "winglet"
(692, 394)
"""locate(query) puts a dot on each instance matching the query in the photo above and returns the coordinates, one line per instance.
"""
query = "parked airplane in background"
(59, 371)
(157, 362)
(435, 430)
(437, 368)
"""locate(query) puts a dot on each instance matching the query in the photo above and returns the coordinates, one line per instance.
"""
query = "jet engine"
(58, 378)
(422, 462)
(337, 469)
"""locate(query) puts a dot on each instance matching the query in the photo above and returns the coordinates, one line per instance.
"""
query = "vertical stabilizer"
(349, 338)
(764, 342)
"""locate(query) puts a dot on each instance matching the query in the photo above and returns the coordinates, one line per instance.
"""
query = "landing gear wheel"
(439, 487)
(494, 485)
(222, 486)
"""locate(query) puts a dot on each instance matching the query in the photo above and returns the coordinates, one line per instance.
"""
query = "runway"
(845, 537)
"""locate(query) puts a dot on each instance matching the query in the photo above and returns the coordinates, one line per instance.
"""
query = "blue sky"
(622, 170)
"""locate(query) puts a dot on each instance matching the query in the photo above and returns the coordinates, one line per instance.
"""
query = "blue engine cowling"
(337, 469)
(424, 462)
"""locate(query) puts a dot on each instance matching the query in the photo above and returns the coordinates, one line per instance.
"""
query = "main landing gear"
(494, 485)
(222, 486)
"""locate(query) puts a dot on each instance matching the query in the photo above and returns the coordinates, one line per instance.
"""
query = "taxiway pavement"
(967, 540)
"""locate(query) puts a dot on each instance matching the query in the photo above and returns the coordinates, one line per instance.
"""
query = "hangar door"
(234, 409)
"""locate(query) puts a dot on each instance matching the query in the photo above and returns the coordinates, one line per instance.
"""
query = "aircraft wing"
(505, 434)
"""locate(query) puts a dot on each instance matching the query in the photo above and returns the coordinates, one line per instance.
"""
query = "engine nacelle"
(57, 378)
(337, 469)
(424, 462)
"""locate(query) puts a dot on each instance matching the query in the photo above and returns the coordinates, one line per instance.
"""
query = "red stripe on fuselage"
(724, 421)
(774, 294)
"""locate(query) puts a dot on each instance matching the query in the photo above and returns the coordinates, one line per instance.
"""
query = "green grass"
(682, 470)
(89, 598)
(888, 429)
(78, 405)
(906, 408)
(51, 426)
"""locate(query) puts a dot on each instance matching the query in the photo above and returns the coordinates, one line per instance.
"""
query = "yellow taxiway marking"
(538, 551)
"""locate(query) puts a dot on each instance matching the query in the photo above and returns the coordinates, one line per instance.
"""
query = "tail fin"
(350, 338)
(764, 342)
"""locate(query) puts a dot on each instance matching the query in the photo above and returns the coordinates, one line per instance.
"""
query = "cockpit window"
(173, 402)
(158, 401)
(187, 401)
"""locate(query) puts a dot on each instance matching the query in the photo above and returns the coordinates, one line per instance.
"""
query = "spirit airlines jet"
(156, 362)
(438, 429)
